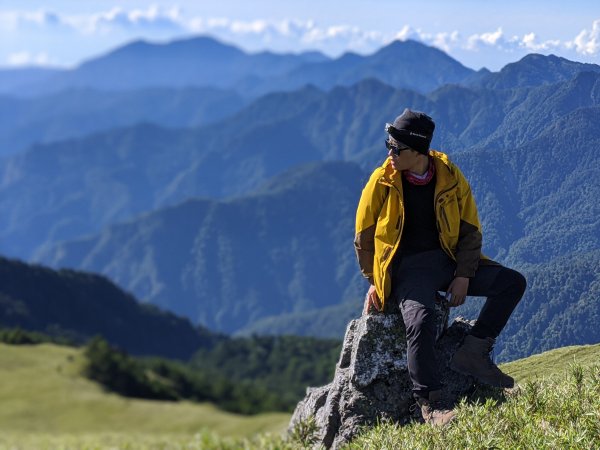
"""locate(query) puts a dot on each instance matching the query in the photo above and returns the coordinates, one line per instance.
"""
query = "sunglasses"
(395, 148)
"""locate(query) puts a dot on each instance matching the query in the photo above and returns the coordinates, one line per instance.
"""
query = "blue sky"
(477, 33)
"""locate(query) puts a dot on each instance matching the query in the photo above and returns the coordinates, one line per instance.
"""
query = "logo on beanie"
(412, 133)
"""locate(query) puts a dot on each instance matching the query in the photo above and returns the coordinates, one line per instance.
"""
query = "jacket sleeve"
(468, 249)
(369, 207)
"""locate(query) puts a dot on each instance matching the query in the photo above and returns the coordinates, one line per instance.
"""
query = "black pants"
(416, 279)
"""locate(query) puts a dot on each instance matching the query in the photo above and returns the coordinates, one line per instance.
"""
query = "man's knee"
(511, 280)
(517, 282)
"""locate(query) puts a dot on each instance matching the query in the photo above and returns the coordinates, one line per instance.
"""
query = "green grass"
(43, 392)
(556, 404)
(48, 405)
(204, 440)
(560, 412)
(552, 363)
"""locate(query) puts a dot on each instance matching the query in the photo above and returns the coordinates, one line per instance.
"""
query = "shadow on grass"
(481, 393)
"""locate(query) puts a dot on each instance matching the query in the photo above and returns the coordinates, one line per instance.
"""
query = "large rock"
(371, 381)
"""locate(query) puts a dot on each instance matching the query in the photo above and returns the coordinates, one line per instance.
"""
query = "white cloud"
(446, 41)
(489, 39)
(25, 58)
(17, 20)
(498, 41)
(151, 18)
(529, 41)
(408, 32)
(45, 32)
(587, 42)
(354, 36)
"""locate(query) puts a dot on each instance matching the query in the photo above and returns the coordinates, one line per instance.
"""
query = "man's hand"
(371, 300)
(457, 291)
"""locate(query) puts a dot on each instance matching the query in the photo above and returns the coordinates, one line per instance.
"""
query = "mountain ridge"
(79, 112)
(533, 70)
(79, 305)
(253, 253)
(275, 133)
(176, 63)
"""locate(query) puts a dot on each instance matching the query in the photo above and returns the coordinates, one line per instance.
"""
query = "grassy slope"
(67, 411)
(552, 363)
(42, 392)
(555, 405)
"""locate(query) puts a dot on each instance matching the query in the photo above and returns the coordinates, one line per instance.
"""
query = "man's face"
(405, 160)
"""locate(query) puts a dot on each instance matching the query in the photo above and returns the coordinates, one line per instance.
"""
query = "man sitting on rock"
(418, 232)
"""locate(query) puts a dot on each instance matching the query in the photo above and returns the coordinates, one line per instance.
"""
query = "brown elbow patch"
(364, 244)
(468, 249)
(365, 239)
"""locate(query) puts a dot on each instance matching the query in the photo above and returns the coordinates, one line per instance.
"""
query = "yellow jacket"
(380, 221)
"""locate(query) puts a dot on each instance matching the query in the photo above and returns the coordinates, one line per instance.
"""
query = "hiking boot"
(473, 358)
(432, 410)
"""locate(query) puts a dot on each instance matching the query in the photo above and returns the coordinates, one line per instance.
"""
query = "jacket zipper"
(445, 218)
(397, 228)
(435, 205)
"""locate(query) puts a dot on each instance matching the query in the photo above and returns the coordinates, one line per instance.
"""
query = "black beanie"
(414, 129)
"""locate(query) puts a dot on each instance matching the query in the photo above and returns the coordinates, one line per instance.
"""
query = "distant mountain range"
(539, 213)
(284, 249)
(531, 70)
(245, 223)
(190, 82)
(81, 305)
(79, 186)
(198, 61)
(200, 80)
(204, 61)
(16, 80)
(402, 64)
(114, 90)
(76, 112)
(529, 199)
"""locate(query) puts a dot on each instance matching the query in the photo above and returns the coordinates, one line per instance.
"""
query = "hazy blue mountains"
(78, 186)
(532, 70)
(15, 80)
(77, 112)
(539, 211)
(203, 61)
(200, 258)
(562, 306)
(80, 305)
(539, 108)
(62, 190)
(285, 249)
(198, 61)
(403, 64)
(527, 148)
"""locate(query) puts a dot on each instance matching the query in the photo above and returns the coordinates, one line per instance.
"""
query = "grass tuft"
(558, 412)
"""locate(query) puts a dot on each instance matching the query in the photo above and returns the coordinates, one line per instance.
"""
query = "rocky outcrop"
(371, 381)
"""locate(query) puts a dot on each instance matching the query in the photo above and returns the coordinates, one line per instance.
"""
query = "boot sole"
(481, 380)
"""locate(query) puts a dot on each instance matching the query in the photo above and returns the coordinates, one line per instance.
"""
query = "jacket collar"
(443, 170)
